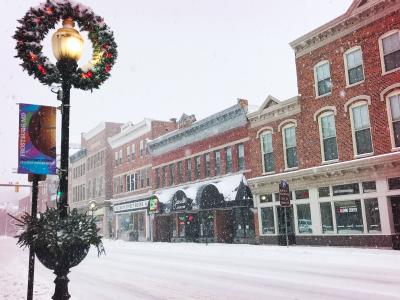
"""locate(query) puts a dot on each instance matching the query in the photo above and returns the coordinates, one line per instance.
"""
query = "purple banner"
(37, 139)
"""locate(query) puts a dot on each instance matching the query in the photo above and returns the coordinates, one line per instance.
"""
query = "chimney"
(243, 103)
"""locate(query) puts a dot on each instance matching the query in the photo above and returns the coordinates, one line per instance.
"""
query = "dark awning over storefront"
(225, 191)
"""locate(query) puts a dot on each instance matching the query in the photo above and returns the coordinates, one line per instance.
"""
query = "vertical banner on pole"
(37, 139)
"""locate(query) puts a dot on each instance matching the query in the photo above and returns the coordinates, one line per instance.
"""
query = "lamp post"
(67, 46)
(92, 207)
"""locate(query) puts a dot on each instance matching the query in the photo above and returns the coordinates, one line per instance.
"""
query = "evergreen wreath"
(36, 24)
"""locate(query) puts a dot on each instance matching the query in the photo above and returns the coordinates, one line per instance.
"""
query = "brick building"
(132, 177)
(340, 140)
(198, 179)
(90, 176)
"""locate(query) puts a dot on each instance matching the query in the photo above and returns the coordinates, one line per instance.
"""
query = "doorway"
(395, 201)
(290, 225)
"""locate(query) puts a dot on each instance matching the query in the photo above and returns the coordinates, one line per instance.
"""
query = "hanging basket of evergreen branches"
(60, 242)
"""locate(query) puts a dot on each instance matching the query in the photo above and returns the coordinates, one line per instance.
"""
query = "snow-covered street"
(216, 271)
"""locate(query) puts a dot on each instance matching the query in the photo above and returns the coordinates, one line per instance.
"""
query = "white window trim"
(321, 138)
(353, 136)
(389, 33)
(262, 151)
(322, 62)
(389, 112)
(284, 146)
(353, 49)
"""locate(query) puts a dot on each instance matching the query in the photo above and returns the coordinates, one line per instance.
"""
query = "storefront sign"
(37, 139)
(180, 201)
(131, 206)
(284, 196)
(154, 205)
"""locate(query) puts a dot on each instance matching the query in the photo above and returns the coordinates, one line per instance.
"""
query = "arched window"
(389, 46)
(322, 76)
(289, 145)
(393, 104)
(267, 152)
(361, 128)
(354, 67)
(327, 130)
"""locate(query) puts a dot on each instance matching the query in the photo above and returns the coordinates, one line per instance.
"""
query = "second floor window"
(207, 165)
(323, 78)
(180, 174)
(361, 129)
(354, 66)
(120, 157)
(133, 154)
(158, 178)
(116, 159)
(228, 160)
(128, 153)
(390, 45)
(328, 135)
(395, 118)
(217, 163)
(268, 152)
(289, 138)
(240, 154)
(171, 174)
(141, 146)
(188, 170)
(163, 175)
(197, 167)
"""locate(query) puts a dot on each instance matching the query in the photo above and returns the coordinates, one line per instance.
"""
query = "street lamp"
(92, 207)
(67, 46)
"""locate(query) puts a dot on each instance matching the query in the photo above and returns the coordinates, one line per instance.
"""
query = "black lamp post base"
(61, 281)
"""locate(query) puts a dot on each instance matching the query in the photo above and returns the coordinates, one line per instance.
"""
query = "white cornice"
(275, 112)
(130, 132)
(345, 24)
(314, 173)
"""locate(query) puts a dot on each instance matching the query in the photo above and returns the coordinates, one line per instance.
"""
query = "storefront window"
(372, 215)
(266, 198)
(369, 186)
(349, 217)
(394, 183)
(206, 219)
(125, 222)
(324, 191)
(181, 225)
(326, 217)
(267, 220)
(244, 221)
(304, 218)
(346, 189)
(301, 194)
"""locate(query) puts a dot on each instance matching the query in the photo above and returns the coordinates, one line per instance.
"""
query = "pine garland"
(36, 24)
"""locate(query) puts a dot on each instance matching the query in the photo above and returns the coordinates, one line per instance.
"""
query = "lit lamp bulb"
(67, 42)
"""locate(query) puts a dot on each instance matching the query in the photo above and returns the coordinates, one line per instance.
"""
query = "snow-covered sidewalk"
(217, 271)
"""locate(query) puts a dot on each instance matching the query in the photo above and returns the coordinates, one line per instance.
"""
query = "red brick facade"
(218, 142)
(308, 133)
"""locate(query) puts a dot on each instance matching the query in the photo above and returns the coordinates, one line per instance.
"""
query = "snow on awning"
(228, 186)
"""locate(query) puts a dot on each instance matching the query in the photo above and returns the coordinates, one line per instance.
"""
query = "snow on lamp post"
(67, 46)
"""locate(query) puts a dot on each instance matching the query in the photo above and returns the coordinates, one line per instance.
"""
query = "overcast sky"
(174, 56)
